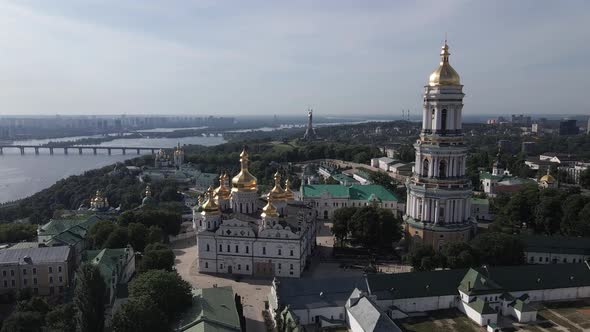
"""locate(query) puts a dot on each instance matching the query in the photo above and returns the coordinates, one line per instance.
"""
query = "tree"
(459, 255)
(585, 179)
(140, 314)
(548, 215)
(571, 223)
(62, 318)
(374, 227)
(20, 321)
(421, 257)
(340, 228)
(137, 234)
(117, 239)
(499, 249)
(167, 219)
(99, 233)
(169, 292)
(17, 232)
(157, 256)
(89, 298)
(154, 235)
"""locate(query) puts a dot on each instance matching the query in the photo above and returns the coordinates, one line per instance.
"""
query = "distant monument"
(310, 131)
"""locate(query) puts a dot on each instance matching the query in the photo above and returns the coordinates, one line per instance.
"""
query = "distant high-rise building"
(521, 120)
(310, 131)
(438, 209)
(588, 127)
(568, 127)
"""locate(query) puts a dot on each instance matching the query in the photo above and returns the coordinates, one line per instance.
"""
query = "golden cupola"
(178, 150)
(222, 192)
(210, 207)
(277, 192)
(288, 193)
(244, 181)
(444, 74)
(269, 210)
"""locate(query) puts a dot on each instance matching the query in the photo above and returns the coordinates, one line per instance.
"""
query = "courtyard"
(552, 317)
(253, 290)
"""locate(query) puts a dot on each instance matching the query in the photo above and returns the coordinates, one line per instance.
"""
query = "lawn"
(442, 320)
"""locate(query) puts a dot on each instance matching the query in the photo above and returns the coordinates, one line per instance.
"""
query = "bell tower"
(438, 207)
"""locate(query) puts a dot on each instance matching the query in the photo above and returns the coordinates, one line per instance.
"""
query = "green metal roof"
(482, 307)
(354, 192)
(522, 306)
(106, 260)
(480, 201)
(56, 226)
(213, 310)
(475, 282)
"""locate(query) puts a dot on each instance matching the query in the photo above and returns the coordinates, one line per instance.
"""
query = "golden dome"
(178, 150)
(547, 178)
(244, 181)
(222, 192)
(210, 207)
(444, 74)
(269, 210)
(148, 191)
(288, 193)
(277, 192)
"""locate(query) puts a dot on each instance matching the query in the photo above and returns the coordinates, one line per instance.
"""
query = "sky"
(207, 57)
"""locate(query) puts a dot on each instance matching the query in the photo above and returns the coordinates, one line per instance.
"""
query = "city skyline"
(230, 58)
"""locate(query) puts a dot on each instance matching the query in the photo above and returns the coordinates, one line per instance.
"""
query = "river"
(22, 176)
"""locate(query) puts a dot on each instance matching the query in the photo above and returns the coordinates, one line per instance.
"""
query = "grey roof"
(317, 293)
(370, 317)
(37, 255)
(415, 284)
(557, 244)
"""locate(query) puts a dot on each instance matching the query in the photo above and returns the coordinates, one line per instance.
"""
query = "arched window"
(325, 214)
(425, 167)
(442, 169)
(432, 119)
(443, 120)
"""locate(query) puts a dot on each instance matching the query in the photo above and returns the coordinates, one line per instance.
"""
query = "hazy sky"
(278, 57)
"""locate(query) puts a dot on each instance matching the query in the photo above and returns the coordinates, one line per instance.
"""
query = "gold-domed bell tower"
(210, 216)
(244, 192)
(178, 156)
(438, 208)
(270, 214)
(223, 193)
(277, 194)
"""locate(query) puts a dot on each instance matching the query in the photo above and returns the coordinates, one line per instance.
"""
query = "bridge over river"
(80, 148)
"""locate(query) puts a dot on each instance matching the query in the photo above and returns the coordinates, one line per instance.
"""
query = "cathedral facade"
(236, 236)
(438, 207)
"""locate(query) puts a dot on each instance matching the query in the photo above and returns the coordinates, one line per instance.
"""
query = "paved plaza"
(254, 291)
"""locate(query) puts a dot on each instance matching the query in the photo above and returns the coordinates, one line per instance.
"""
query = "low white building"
(481, 293)
(324, 199)
(555, 249)
(480, 209)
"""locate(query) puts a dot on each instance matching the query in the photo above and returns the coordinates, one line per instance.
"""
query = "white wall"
(307, 316)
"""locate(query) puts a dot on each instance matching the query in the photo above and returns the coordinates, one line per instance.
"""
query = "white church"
(236, 236)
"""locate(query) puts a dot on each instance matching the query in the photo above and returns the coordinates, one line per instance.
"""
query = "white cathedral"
(236, 236)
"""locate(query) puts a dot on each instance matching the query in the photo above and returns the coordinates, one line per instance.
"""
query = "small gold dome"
(222, 192)
(547, 178)
(148, 191)
(444, 74)
(277, 192)
(210, 207)
(269, 210)
(288, 193)
(244, 181)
